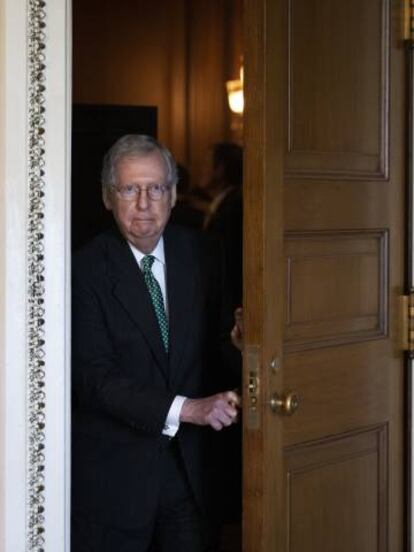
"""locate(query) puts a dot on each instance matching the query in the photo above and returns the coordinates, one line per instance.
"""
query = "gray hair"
(135, 146)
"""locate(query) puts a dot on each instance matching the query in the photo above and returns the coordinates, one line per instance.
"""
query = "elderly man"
(150, 327)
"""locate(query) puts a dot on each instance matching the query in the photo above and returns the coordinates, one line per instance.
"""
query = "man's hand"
(218, 411)
(237, 333)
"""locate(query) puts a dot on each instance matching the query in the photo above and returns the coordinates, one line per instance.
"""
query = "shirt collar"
(157, 252)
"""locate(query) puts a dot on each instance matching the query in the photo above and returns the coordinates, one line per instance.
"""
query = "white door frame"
(35, 64)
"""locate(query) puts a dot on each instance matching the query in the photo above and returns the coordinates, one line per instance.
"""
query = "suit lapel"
(181, 287)
(130, 290)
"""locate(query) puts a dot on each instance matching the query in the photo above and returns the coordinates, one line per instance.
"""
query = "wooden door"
(324, 262)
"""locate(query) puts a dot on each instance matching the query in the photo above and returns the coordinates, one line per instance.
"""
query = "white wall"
(2, 267)
(13, 273)
(14, 296)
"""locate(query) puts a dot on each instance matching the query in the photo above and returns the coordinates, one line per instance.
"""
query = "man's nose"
(142, 199)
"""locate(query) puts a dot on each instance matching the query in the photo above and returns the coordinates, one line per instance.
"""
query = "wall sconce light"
(235, 94)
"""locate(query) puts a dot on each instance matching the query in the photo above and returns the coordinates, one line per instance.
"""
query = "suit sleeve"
(98, 384)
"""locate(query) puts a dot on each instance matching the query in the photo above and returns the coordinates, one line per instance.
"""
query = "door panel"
(336, 287)
(328, 404)
(324, 216)
(326, 85)
(353, 467)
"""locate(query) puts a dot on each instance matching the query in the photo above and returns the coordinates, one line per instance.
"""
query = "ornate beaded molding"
(36, 267)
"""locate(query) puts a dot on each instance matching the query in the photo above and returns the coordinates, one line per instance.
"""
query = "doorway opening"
(161, 68)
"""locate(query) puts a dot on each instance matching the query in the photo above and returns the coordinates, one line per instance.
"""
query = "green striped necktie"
(156, 297)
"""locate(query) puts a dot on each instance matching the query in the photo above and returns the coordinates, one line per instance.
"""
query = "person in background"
(225, 216)
(187, 210)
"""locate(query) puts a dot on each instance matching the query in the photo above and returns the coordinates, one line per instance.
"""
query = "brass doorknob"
(285, 404)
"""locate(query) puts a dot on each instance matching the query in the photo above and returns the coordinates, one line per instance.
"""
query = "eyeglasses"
(154, 192)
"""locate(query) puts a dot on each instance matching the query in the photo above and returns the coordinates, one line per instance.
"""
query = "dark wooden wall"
(172, 54)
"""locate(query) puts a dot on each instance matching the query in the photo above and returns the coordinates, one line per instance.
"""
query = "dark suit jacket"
(124, 382)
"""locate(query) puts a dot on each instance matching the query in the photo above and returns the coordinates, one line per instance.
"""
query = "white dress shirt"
(159, 269)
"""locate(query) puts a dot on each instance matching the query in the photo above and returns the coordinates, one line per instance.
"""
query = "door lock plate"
(252, 359)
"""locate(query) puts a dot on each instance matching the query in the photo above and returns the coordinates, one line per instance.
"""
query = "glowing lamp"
(235, 94)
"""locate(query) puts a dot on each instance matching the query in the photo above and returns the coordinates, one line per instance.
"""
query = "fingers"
(224, 407)
(219, 419)
(224, 412)
(218, 411)
(237, 332)
(232, 398)
(238, 318)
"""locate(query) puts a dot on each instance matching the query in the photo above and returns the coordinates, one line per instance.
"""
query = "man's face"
(141, 221)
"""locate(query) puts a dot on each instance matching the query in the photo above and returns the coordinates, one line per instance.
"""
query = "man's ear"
(106, 198)
(173, 195)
